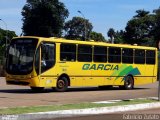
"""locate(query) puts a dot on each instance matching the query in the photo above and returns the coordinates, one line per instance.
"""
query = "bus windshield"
(20, 56)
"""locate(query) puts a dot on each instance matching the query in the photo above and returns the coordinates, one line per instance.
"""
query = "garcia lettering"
(100, 67)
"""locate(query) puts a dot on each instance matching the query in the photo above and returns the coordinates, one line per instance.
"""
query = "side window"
(139, 56)
(127, 55)
(84, 53)
(100, 54)
(68, 52)
(47, 56)
(114, 55)
(150, 57)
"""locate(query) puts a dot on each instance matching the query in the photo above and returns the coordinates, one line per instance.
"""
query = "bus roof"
(91, 42)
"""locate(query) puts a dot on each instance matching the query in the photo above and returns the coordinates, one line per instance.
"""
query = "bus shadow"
(84, 89)
(98, 89)
(26, 91)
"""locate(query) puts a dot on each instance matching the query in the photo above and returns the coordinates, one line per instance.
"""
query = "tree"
(141, 13)
(97, 36)
(111, 34)
(119, 37)
(139, 28)
(78, 28)
(44, 17)
(5, 35)
(156, 30)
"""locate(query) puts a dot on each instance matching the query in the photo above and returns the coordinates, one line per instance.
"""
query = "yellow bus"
(59, 63)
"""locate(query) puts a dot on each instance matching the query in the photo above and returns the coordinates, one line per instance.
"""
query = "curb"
(80, 112)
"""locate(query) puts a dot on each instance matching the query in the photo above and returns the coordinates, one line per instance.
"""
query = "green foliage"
(139, 29)
(141, 13)
(119, 37)
(78, 28)
(97, 36)
(142, 29)
(44, 18)
(156, 31)
(111, 34)
(5, 35)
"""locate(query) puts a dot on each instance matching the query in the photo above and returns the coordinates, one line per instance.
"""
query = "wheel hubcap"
(61, 84)
(129, 82)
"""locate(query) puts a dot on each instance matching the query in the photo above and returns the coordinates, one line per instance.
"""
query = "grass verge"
(33, 109)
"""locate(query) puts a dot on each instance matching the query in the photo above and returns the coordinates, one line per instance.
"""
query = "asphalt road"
(150, 114)
(13, 96)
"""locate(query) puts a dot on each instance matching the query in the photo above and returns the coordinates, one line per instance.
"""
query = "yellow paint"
(79, 77)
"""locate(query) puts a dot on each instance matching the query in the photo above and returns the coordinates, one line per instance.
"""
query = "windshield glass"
(20, 55)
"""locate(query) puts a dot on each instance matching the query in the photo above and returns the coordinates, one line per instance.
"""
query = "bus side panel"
(48, 78)
(46, 81)
(151, 71)
(78, 76)
(146, 74)
(137, 71)
(156, 69)
(34, 82)
(101, 74)
(98, 74)
(118, 81)
(94, 81)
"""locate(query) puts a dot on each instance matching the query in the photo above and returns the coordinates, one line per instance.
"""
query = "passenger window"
(84, 53)
(139, 56)
(127, 55)
(150, 57)
(114, 55)
(68, 52)
(100, 54)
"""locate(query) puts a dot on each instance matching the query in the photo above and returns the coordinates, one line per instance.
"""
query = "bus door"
(47, 56)
(44, 61)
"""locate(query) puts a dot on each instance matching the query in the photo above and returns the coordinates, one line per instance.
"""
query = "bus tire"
(62, 84)
(37, 89)
(128, 83)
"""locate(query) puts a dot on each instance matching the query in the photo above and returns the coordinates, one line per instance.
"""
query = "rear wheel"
(128, 83)
(62, 84)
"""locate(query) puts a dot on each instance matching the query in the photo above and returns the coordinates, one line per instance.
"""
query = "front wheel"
(62, 84)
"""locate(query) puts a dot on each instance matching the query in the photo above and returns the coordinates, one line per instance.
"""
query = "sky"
(103, 14)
